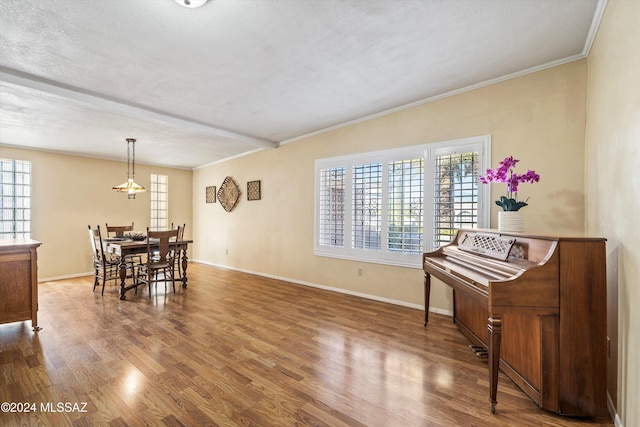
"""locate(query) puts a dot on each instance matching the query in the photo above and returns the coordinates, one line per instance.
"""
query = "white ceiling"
(196, 86)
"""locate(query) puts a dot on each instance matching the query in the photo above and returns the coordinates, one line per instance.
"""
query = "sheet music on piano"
(532, 302)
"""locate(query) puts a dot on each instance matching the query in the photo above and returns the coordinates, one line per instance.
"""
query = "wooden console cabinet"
(19, 281)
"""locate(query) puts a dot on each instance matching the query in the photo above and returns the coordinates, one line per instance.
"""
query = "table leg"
(123, 277)
(184, 268)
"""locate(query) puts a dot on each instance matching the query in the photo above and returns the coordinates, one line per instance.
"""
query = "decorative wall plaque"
(229, 194)
(211, 194)
(253, 190)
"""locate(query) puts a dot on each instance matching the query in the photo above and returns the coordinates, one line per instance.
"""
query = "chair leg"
(95, 279)
(149, 280)
(133, 271)
(154, 278)
(137, 279)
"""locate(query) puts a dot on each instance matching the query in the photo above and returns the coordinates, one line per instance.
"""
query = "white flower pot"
(510, 221)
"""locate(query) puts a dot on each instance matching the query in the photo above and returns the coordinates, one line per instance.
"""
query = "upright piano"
(537, 306)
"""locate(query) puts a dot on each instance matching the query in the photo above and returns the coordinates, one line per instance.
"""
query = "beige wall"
(539, 118)
(613, 188)
(69, 193)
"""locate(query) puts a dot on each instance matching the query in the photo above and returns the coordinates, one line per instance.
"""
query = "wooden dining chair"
(177, 270)
(118, 230)
(105, 268)
(159, 266)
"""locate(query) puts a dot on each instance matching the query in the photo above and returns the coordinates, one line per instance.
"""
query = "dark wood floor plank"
(237, 349)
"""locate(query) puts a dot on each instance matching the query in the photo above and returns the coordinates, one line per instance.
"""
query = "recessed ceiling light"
(191, 3)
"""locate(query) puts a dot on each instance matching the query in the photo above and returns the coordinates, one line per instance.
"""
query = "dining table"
(124, 247)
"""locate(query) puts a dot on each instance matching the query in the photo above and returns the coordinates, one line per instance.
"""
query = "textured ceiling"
(196, 86)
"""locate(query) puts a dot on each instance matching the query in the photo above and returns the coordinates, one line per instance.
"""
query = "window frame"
(20, 209)
(154, 198)
(429, 152)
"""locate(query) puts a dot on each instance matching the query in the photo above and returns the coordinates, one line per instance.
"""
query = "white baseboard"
(68, 276)
(287, 279)
(612, 411)
(332, 289)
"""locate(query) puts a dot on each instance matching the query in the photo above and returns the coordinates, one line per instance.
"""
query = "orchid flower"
(504, 173)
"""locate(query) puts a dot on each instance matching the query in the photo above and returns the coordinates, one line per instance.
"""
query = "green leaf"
(510, 204)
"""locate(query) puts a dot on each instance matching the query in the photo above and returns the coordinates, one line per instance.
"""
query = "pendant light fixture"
(130, 187)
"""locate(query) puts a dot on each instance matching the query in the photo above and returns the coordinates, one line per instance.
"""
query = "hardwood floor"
(236, 349)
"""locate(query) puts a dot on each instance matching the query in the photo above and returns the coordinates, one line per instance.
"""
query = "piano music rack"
(488, 245)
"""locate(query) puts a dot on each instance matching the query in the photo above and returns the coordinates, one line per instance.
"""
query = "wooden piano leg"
(427, 293)
(495, 332)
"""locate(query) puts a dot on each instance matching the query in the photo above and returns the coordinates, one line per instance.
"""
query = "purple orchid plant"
(504, 173)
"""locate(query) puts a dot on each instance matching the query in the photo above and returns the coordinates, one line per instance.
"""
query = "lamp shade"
(130, 187)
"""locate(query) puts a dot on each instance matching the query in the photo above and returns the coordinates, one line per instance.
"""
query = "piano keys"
(537, 305)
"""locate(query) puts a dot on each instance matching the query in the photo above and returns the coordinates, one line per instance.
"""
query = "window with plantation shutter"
(391, 206)
(332, 208)
(455, 194)
(366, 204)
(406, 195)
